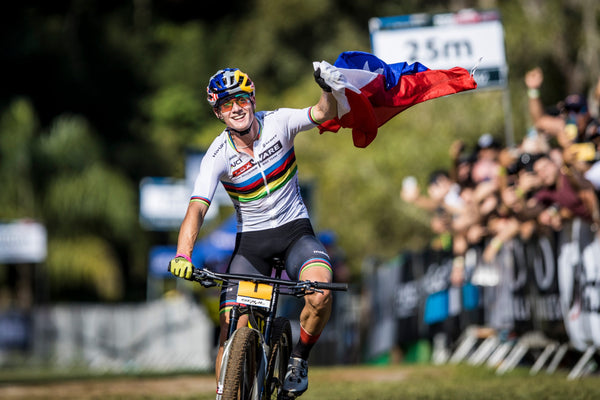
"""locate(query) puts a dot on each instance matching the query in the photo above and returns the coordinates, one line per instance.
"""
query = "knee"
(320, 302)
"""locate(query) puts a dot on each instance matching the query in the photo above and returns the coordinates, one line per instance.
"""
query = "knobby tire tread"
(281, 348)
(242, 365)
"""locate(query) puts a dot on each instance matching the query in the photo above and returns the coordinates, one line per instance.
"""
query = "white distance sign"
(442, 41)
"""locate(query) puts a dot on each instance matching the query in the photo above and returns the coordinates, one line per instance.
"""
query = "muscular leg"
(308, 260)
(317, 306)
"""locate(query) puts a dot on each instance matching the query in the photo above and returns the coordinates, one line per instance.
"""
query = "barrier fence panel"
(165, 335)
(537, 293)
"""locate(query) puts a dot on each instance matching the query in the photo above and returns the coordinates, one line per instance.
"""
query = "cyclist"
(254, 159)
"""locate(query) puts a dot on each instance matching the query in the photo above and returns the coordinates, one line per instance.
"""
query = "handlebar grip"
(331, 286)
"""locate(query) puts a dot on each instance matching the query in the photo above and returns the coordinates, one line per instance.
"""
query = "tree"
(60, 179)
(116, 92)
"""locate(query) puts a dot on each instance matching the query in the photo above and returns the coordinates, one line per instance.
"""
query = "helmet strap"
(242, 133)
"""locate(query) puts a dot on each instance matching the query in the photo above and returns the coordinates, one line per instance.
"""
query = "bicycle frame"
(263, 326)
(260, 296)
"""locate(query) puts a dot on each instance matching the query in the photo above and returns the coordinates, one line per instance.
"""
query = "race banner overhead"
(467, 39)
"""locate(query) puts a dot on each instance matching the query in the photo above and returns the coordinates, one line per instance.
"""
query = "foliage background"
(97, 94)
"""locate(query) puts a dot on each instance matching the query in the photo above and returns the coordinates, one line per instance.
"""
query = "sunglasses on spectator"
(242, 100)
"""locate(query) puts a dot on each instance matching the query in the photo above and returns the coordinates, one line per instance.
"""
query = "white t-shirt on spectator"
(593, 175)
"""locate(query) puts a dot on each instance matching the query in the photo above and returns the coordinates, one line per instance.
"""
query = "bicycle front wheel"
(242, 365)
(281, 347)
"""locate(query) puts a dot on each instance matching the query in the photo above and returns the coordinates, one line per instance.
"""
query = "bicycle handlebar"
(210, 278)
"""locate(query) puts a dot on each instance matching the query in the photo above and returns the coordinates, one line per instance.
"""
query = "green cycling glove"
(181, 266)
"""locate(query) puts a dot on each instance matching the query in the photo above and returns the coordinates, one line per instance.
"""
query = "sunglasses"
(242, 100)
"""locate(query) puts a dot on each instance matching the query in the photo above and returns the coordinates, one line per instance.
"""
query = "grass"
(460, 382)
(406, 382)
(453, 382)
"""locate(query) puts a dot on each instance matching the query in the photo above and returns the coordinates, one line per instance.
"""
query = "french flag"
(370, 92)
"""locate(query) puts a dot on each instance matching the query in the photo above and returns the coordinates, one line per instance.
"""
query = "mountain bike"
(255, 357)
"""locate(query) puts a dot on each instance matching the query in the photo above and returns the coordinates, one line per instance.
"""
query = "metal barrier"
(538, 299)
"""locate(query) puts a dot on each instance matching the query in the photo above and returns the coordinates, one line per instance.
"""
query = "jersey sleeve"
(296, 120)
(212, 168)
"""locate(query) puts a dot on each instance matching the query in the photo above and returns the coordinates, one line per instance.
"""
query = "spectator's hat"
(574, 103)
(487, 141)
(526, 160)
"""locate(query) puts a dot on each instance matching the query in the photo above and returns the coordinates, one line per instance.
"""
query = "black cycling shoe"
(296, 378)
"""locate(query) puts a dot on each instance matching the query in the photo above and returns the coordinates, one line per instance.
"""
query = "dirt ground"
(164, 387)
(115, 388)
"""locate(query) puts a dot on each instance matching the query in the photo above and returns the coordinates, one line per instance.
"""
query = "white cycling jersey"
(264, 189)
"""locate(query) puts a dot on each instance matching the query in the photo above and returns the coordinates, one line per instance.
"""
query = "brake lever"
(306, 289)
(298, 291)
(208, 283)
(206, 278)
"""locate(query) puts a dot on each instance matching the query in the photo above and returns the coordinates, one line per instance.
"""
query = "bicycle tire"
(242, 365)
(281, 348)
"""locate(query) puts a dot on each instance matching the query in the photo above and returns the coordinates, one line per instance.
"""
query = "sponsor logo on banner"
(570, 278)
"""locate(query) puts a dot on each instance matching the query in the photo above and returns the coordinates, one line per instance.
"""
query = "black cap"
(575, 103)
(526, 160)
(487, 141)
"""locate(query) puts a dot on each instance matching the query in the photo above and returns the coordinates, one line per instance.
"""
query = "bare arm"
(554, 126)
(188, 233)
(533, 81)
(325, 109)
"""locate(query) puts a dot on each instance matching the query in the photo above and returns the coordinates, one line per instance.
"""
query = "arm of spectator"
(527, 229)
(530, 210)
(575, 176)
(510, 201)
(533, 80)
(506, 159)
(590, 199)
(527, 182)
(464, 218)
(554, 126)
(476, 233)
(412, 195)
(454, 151)
(506, 228)
(551, 125)
(459, 243)
(484, 190)
(551, 217)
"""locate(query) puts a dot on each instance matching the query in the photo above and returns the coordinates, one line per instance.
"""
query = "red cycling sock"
(305, 344)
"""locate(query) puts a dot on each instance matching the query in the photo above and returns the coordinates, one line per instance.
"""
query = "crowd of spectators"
(495, 193)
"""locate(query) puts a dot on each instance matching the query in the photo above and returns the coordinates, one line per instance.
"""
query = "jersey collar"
(232, 143)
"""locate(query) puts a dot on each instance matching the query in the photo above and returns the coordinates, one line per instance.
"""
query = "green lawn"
(451, 383)
(406, 382)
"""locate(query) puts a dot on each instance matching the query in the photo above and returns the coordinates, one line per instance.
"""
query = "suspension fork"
(234, 317)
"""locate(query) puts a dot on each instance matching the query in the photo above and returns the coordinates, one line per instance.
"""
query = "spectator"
(462, 164)
(494, 194)
(441, 190)
(571, 120)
